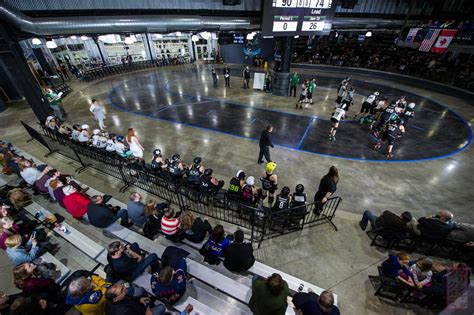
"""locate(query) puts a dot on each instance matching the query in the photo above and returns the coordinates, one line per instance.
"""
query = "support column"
(96, 41)
(281, 76)
(147, 39)
(15, 63)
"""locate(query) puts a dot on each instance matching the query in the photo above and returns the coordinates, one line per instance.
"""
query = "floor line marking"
(419, 128)
(308, 127)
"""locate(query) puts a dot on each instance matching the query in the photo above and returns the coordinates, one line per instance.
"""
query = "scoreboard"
(297, 17)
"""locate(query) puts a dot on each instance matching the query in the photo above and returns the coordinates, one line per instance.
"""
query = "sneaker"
(361, 226)
(333, 139)
(126, 224)
(389, 155)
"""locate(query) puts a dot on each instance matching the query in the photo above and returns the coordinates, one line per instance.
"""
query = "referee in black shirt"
(265, 143)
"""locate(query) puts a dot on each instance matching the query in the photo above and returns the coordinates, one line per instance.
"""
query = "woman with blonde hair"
(153, 213)
(135, 147)
(19, 254)
(195, 228)
(30, 173)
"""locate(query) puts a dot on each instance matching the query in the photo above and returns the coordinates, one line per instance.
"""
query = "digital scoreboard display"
(297, 17)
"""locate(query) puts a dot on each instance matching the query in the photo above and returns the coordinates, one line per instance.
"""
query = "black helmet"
(285, 191)
(175, 158)
(299, 188)
(197, 160)
(157, 152)
(208, 172)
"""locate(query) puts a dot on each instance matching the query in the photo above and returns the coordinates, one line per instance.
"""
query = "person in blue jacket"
(169, 285)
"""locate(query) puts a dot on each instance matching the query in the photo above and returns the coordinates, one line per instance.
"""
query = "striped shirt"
(169, 226)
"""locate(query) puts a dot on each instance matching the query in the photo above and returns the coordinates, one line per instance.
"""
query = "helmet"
(175, 158)
(271, 167)
(76, 126)
(411, 105)
(299, 188)
(240, 174)
(157, 152)
(85, 127)
(119, 138)
(250, 180)
(208, 172)
(285, 191)
(96, 131)
(197, 160)
(376, 93)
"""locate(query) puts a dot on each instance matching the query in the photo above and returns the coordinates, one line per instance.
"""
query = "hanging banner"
(444, 39)
(412, 34)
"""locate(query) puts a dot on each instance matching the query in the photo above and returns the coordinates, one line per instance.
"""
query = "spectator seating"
(63, 270)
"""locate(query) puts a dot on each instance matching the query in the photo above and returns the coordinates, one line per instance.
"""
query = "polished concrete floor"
(338, 260)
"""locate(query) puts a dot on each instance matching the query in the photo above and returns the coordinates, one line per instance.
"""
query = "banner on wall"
(442, 43)
(412, 34)
(429, 40)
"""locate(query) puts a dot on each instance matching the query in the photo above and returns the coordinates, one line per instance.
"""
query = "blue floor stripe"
(310, 123)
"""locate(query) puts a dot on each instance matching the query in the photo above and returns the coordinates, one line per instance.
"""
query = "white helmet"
(85, 127)
(376, 93)
(250, 180)
(411, 105)
(96, 131)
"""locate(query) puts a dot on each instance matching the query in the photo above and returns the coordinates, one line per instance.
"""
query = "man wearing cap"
(265, 143)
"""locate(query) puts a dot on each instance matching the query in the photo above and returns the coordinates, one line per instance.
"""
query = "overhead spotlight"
(336, 35)
(250, 36)
(73, 37)
(178, 34)
(297, 36)
(368, 34)
(195, 38)
(83, 37)
(36, 41)
(51, 44)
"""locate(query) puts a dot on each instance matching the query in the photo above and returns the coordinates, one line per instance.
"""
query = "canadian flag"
(444, 39)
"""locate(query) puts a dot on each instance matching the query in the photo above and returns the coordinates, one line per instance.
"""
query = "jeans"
(122, 214)
(368, 216)
(265, 151)
(57, 112)
(159, 310)
(151, 260)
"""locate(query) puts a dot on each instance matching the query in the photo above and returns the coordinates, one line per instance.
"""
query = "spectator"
(31, 306)
(58, 193)
(170, 224)
(30, 173)
(102, 215)
(76, 202)
(170, 285)
(85, 134)
(420, 273)
(239, 255)
(396, 265)
(6, 302)
(128, 262)
(119, 302)
(135, 146)
(136, 209)
(28, 279)
(269, 296)
(404, 222)
(195, 229)
(437, 226)
(327, 187)
(7, 229)
(310, 304)
(87, 295)
(215, 246)
(19, 254)
(154, 214)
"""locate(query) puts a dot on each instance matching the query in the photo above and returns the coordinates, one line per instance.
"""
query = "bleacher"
(213, 290)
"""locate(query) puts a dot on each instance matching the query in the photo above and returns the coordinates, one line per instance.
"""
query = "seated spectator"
(136, 209)
(250, 192)
(215, 246)
(269, 296)
(438, 226)
(30, 173)
(235, 186)
(154, 213)
(87, 294)
(65, 179)
(239, 255)
(420, 273)
(64, 130)
(58, 193)
(32, 306)
(396, 265)
(32, 283)
(120, 148)
(158, 164)
(110, 146)
(170, 285)
(127, 261)
(404, 222)
(76, 202)
(121, 302)
(19, 254)
(6, 302)
(7, 229)
(170, 224)
(312, 304)
(210, 184)
(195, 229)
(52, 123)
(102, 215)
(85, 134)
(76, 131)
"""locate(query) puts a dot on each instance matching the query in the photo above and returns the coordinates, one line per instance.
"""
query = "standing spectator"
(265, 143)
(310, 304)
(54, 101)
(239, 255)
(227, 76)
(135, 146)
(170, 224)
(214, 76)
(294, 80)
(19, 254)
(101, 215)
(99, 113)
(246, 76)
(170, 284)
(269, 296)
(127, 261)
(87, 294)
(136, 209)
(327, 187)
(75, 202)
(119, 302)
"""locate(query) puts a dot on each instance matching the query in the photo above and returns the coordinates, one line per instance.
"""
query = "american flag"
(429, 40)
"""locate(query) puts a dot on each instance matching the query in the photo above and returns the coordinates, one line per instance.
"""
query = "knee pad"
(270, 199)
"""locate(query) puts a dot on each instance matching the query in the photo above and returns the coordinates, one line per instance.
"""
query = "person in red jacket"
(76, 202)
(28, 279)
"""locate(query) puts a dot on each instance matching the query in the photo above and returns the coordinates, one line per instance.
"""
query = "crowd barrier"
(97, 73)
(261, 222)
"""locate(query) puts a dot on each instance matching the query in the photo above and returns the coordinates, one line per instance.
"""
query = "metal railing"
(262, 222)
